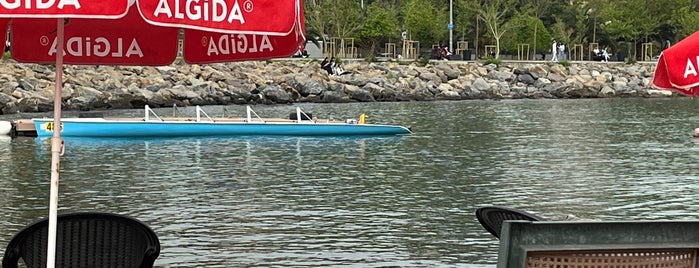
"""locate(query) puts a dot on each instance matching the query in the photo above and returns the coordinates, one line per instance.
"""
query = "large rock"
(449, 71)
(34, 104)
(421, 93)
(275, 94)
(335, 97)
(8, 104)
(380, 93)
(30, 86)
(480, 84)
(447, 92)
(359, 94)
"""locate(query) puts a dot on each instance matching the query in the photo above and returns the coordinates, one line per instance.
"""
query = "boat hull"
(97, 127)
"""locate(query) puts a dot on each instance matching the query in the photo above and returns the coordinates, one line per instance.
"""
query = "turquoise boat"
(203, 125)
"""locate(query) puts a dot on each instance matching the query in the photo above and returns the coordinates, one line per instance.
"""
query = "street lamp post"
(451, 26)
(594, 30)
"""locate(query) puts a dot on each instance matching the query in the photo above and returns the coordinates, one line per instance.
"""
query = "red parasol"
(125, 41)
(3, 30)
(101, 32)
(210, 47)
(131, 40)
(678, 67)
(271, 17)
(64, 8)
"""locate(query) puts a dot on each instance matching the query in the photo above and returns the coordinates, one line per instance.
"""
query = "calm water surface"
(372, 201)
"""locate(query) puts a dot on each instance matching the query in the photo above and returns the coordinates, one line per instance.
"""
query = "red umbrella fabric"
(131, 40)
(3, 31)
(124, 41)
(105, 9)
(211, 47)
(101, 32)
(270, 17)
(678, 67)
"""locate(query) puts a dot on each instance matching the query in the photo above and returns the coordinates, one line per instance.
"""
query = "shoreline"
(29, 88)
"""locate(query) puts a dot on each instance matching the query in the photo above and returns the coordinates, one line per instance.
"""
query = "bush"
(422, 61)
(497, 62)
(179, 61)
(564, 63)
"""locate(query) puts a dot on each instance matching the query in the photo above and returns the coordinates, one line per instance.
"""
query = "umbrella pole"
(56, 150)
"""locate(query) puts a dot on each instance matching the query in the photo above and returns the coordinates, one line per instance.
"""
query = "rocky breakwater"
(30, 87)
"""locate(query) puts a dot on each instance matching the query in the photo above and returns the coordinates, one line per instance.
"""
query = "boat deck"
(224, 119)
(298, 123)
(26, 127)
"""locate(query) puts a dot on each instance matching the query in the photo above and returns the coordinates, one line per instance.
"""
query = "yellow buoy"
(362, 119)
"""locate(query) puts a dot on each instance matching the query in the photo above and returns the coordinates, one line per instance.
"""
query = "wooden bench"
(619, 244)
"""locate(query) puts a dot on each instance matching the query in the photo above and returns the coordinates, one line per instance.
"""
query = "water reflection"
(370, 202)
(215, 200)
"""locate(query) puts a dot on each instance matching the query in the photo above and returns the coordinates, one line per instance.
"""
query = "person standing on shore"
(554, 51)
(562, 51)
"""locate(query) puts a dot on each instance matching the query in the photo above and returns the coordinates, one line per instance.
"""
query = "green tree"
(381, 22)
(494, 14)
(686, 21)
(537, 9)
(632, 20)
(580, 23)
(334, 18)
(562, 32)
(522, 31)
(650, 18)
(345, 17)
(316, 22)
(424, 22)
(572, 21)
(464, 18)
(618, 21)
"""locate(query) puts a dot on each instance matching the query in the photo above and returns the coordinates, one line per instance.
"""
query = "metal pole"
(476, 51)
(451, 26)
(594, 30)
(56, 150)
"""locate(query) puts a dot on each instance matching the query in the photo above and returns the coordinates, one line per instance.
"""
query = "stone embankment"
(30, 87)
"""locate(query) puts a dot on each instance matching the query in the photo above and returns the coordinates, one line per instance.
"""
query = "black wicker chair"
(86, 239)
(492, 217)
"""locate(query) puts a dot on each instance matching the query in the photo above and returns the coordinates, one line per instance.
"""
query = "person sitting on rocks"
(444, 52)
(327, 65)
(605, 55)
(338, 70)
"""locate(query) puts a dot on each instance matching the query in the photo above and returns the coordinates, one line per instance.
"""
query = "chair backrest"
(601, 244)
(86, 239)
(492, 217)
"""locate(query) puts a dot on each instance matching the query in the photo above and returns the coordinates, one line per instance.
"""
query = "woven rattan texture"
(654, 258)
